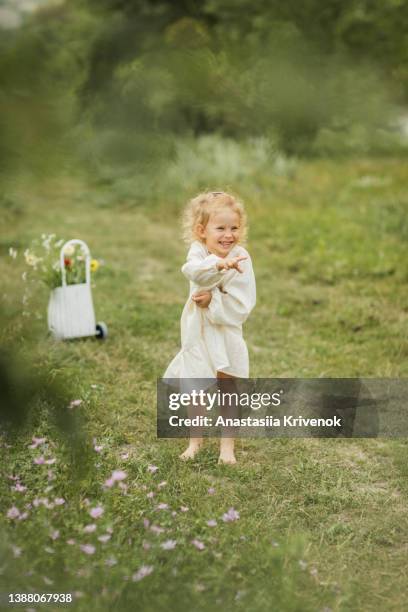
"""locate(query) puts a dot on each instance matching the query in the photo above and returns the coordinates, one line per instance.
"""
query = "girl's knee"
(224, 375)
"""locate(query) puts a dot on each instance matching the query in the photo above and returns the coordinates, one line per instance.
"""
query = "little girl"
(222, 294)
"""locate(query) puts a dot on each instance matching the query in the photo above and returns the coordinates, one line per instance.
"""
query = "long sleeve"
(201, 269)
(233, 306)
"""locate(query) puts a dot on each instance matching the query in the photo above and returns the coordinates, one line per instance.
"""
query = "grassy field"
(323, 524)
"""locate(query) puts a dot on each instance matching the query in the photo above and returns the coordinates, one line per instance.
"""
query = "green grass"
(323, 523)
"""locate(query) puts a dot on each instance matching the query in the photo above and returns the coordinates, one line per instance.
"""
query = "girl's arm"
(233, 306)
(202, 269)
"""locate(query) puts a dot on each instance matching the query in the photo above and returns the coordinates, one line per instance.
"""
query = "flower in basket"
(43, 261)
(69, 250)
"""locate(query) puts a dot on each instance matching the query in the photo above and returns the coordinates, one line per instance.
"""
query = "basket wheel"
(101, 330)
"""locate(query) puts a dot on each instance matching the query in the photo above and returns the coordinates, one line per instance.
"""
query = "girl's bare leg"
(227, 444)
(196, 434)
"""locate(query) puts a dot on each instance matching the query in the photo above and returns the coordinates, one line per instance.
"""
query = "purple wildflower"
(20, 487)
(231, 515)
(104, 538)
(142, 572)
(169, 544)
(96, 512)
(162, 506)
(198, 544)
(89, 549)
(13, 512)
(36, 442)
(118, 475)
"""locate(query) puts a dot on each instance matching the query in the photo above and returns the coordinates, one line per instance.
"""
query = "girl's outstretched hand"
(229, 264)
(202, 298)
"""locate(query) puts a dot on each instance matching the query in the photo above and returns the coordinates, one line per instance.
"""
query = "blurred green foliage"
(33, 395)
(120, 82)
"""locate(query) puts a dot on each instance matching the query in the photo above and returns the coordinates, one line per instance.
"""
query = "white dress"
(211, 338)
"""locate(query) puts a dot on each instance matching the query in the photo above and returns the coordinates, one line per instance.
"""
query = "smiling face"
(222, 231)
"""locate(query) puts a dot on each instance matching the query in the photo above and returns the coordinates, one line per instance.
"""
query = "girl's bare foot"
(192, 449)
(227, 459)
(227, 455)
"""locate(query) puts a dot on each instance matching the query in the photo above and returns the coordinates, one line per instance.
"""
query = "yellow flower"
(94, 265)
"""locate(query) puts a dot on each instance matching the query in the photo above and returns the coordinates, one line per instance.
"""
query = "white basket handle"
(87, 260)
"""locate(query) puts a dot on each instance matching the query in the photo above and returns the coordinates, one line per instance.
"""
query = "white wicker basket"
(70, 308)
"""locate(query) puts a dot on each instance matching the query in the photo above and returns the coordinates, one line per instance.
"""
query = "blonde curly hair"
(198, 211)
